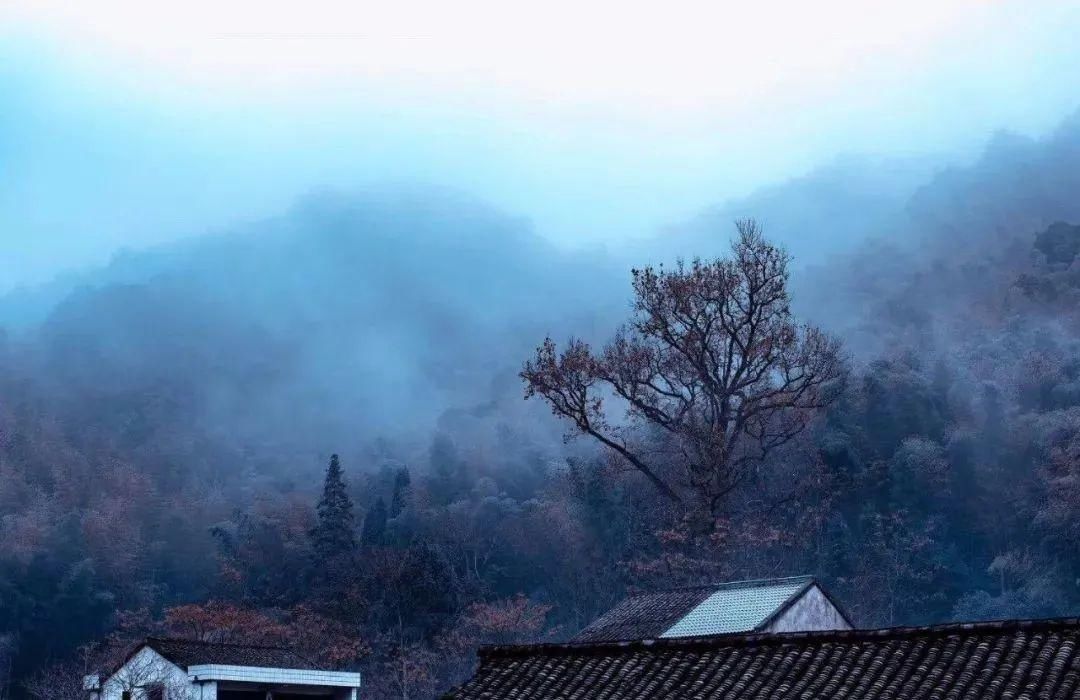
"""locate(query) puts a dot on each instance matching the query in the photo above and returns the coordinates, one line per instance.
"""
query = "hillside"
(165, 422)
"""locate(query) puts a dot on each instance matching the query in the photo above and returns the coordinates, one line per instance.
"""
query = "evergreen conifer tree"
(447, 470)
(375, 523)
(334, 535)
(400, 499)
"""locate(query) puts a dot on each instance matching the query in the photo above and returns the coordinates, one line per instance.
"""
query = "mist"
(124, 130)
(235, 241)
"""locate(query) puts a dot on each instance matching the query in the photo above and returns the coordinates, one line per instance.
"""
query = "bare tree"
(153, 675)
(57, 682)
(144, 675)
(65, 680)
(7, 653)
(712, 362)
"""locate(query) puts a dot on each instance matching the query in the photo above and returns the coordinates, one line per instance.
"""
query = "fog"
(237, 239)
(306, 235)
(124, 128)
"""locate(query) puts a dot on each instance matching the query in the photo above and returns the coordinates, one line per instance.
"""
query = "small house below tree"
(177, 669)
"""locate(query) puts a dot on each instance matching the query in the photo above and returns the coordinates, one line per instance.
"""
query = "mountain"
(165, 420)
(347, 319)
(829, 210)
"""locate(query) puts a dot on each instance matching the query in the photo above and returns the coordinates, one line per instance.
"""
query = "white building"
(176, 669)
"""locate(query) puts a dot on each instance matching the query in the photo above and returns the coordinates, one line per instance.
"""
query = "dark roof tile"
(737, 606)
(644, 615)
(1033, 658)
(186, 652)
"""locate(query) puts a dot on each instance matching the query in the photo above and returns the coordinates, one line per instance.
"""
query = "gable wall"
(146, 668)
(812, 612)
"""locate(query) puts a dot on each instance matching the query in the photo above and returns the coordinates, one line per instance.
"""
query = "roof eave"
(266, 674)
(750, 638)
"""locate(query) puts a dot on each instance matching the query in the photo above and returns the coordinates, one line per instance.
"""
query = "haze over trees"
(166, 431)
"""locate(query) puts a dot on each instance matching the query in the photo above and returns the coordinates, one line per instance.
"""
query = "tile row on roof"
(186, 652)
(1017, 659)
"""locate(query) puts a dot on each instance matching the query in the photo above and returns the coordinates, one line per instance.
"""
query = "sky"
(131, 124)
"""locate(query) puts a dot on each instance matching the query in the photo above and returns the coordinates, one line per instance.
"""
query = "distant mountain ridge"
(388, 307)
(347, 318)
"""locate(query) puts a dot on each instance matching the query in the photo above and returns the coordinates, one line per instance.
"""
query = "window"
(126, 695)
(155, 692)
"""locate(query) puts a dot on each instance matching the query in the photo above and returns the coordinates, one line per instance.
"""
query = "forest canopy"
(167, 429)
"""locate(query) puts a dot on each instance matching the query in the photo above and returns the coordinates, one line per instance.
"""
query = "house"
(797, 604)
(747, 641)
(177, 669)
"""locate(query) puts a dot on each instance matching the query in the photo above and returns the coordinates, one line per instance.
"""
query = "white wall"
(812, 612)
(147, 667)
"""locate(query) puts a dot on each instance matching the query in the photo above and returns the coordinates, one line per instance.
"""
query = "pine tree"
(447, 470)
(333, 534)
(375, 523)
(400, 499)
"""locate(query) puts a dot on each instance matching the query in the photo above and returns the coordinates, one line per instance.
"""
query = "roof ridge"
(746, 583)
(207, 643)
(750, 638)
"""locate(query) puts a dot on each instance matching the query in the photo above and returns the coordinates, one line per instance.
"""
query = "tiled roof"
(644, 616)
(738, 607)
(185, 653)
(1017, 659)
(742, 606)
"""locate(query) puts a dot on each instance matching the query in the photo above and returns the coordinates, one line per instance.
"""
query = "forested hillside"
(166, 427)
